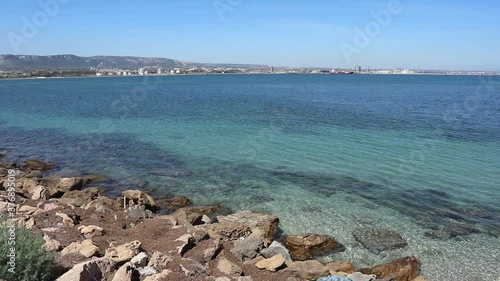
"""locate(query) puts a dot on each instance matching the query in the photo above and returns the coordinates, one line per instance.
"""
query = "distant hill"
(9, 62)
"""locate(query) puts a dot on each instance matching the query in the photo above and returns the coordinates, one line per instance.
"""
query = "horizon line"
(256, 64)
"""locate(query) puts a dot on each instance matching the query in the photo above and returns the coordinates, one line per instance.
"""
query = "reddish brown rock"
(404, 269)
(304, 247)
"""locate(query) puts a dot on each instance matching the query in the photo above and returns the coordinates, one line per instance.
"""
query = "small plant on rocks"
(22, 256)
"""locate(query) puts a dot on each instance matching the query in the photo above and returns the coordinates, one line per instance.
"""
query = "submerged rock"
(452, 230)
(379, 240)
(460, 229)
(174, 203)
(304, 247)
(37, 165)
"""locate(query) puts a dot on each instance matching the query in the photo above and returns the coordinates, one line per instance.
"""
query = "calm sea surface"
(329, 154)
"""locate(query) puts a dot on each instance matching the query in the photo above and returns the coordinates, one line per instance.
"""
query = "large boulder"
(96, 269)
(379, 240)
(229, 230)
(137, 197)
(247, 249)
(404, 269)
(79, 198)
(304, 247)
(86, 248)
(58, 186)
(102, 204)
(263, 225)
(32, 164)
(124, 252)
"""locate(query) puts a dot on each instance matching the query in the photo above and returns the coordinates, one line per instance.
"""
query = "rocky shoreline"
(138, 237)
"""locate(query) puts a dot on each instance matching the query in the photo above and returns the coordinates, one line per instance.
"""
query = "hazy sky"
(446, 34)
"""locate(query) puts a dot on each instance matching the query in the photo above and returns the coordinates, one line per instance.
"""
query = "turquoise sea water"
(327, 154)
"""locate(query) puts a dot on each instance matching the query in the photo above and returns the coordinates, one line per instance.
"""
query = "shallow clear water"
(326, 153)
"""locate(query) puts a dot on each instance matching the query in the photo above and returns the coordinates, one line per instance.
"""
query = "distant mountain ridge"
(9, 62)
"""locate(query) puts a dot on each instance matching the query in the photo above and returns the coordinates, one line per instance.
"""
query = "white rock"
(140, 260)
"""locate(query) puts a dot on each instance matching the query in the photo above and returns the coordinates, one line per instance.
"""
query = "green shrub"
(32, 262)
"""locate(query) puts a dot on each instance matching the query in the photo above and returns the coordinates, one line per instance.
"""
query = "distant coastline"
(206, 74)
(72, 66)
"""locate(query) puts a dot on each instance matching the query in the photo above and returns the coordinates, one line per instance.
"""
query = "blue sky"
(447, 34)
